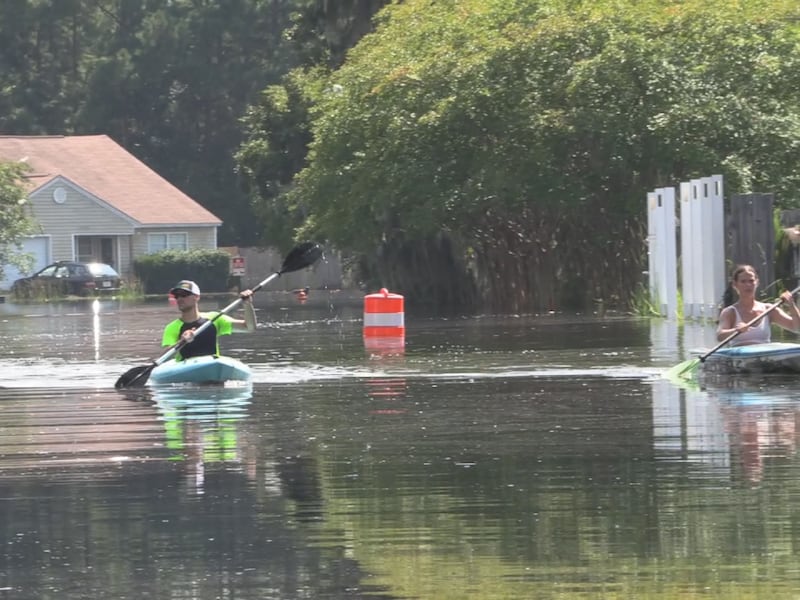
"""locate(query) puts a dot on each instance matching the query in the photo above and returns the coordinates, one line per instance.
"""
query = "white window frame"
(167, 240)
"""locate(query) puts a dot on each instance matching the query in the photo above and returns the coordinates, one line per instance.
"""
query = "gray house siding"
(80, 226)
(196, 237)
(77, 213)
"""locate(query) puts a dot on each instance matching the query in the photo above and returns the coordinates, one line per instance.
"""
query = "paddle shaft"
(750, 323)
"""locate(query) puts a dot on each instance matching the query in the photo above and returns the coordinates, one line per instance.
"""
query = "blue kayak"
(201, 369)
(774, 357)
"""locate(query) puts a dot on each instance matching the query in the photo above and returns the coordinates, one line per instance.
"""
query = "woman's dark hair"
(729, 297)
(739, 269)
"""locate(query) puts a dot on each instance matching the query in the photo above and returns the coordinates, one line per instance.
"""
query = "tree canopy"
(169, 81)
(495, 152)
(511, 144)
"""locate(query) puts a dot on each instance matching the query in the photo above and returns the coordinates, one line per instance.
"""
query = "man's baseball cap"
(186, 286)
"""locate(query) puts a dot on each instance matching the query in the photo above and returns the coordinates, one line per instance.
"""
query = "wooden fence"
(751, 236)
(261, 262)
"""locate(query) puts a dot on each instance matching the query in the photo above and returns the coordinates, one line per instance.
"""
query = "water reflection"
(733, 427)
(49, 433)
(688, 428)
(202, 426)
(387, 392)
(760, 417)
(481, 481)
(96, 328)
(165, 495)
(507, 458)
(529, 488)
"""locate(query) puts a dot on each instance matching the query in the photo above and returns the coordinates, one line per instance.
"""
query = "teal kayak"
(773, 357)
(201, 369)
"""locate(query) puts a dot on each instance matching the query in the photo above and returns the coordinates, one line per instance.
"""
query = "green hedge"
(160, 271)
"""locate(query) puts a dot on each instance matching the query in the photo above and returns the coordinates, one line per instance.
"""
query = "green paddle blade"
(685, 371)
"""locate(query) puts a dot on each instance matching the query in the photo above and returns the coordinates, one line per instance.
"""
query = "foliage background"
(14, 220)
(479, 154)
(506, 148)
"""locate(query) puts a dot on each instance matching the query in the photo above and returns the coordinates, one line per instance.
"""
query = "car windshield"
(100, 269)
(47, 271)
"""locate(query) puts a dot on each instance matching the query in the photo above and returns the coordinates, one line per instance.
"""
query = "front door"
(107, 251)
(91, 248)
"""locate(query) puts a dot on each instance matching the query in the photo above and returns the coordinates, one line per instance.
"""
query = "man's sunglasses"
(181, 294)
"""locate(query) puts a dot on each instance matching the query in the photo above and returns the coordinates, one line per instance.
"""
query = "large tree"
(43, 46)
(277, 125)
(170, 81)
(511, 144)
(15, 221)
(167, 80)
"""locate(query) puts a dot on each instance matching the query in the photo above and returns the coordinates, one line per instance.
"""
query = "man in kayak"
(187, 297)
(738, 316)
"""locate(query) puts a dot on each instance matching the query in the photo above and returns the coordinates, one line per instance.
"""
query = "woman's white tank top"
(758, 334)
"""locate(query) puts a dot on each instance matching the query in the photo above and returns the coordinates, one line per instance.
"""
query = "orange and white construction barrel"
(384, 321)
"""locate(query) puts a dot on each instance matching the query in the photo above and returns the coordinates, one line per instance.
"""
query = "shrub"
(160, 271)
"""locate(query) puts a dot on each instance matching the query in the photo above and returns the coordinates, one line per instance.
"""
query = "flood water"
(493, 457)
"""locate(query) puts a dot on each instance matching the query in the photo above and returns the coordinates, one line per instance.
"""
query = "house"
(94, 201)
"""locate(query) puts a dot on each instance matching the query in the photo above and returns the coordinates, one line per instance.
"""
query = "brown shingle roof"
(102, 167)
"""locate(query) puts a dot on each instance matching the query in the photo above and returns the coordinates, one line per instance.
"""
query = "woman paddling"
(736, 316)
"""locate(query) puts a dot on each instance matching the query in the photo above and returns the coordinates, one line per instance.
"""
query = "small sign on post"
(237, 266)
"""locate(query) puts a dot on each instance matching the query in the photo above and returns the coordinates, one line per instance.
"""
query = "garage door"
(38, 247)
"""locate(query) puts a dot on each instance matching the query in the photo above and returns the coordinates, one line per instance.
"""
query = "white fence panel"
(702, 247)
(661, 250)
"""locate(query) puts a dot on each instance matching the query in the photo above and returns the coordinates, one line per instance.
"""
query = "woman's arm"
(788, 320)
(726, 326)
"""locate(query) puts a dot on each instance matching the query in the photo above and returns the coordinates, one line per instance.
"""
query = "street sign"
(237, 266)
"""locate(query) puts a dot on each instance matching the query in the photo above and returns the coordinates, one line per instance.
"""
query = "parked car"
(68, 279)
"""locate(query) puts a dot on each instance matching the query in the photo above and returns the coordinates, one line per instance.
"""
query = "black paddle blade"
(135, 377)
(304, 255)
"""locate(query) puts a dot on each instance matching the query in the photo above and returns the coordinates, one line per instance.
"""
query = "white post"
(706, 242)
(696, 240)
(702, 226)
(688, 260)
(718, 275)
(652, 245)
(712, 242)
(661, 250)
(670, 267)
